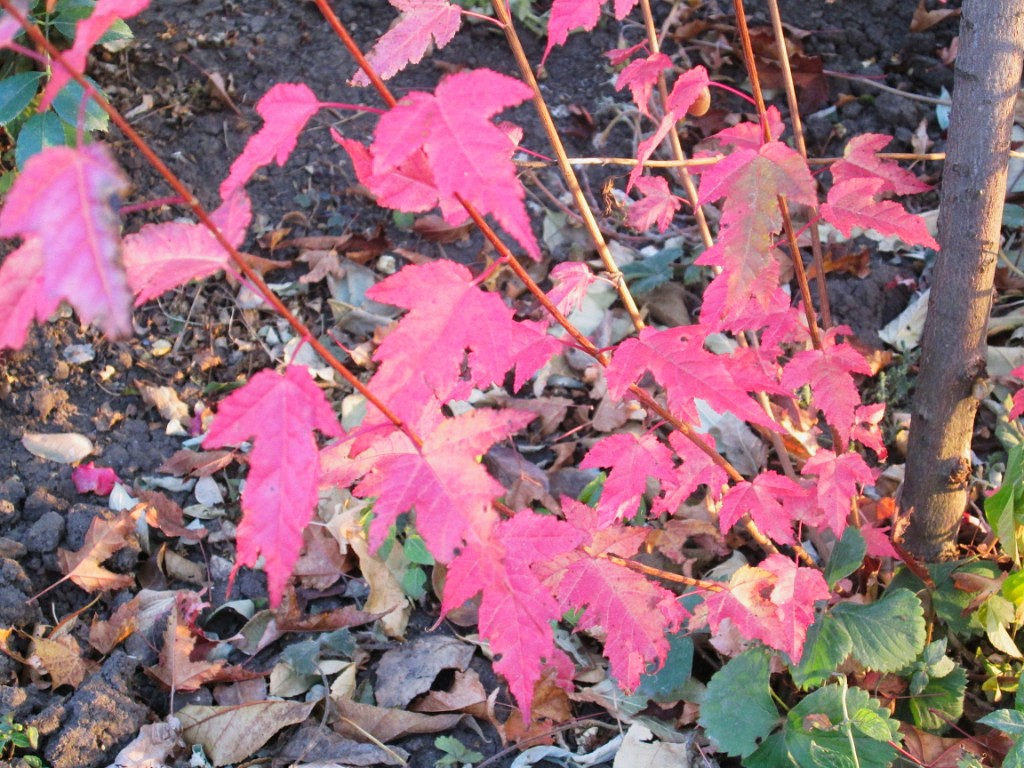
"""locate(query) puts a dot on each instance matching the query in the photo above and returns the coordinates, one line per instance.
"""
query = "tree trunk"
(986, 82)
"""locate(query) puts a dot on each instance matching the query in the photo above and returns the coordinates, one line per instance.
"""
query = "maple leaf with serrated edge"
(104, 537)
(697, 469)
(866, 430)
(750, 135)
(410, 36)
(572, 279)
(632, 460)
(633, 612)
(657, 206)
(860, 161)
(686, 371)
(768, 499)
(516, 610)
(285, 109)
(279, 413)
(176, 670)
(853, 204)
(87, 32)
(1018, 397)
(421, 361)
(685, 90)
(640, 76)
(64, 205)
(838, 478)
(772, 602)
(410, 187)
(442, 480)
(567, 15)
(468, 155)
(160, 257)
(829, 374)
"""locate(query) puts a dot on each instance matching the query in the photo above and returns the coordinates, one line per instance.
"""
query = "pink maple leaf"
(772, 602)
(768, 499)
(451, 321)
(829, 374)
(853, 204)
(88, 478)
(861, 161)
(1018, 396)
(572, 279)
(279, 414)
(285, 109)
(697, 469)
(750, 135)
(160, 257)
(9, 28)
(838, 478)
(640, 76)
(409, 187)
(516, 610)
(632, 612)
(567, 15)
(687, 371)
(685, 91)
(468, 155)
(442, 480)
(866, 430)
(632, 460)
(410, 36)
(87, 32)
(657, 206)
(64, 205)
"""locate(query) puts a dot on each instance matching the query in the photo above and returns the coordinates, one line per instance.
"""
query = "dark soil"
(251, 46)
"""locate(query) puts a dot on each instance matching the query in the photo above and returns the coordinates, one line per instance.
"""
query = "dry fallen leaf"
(176, 670)
(62, 660)
(924, 19)
(231, 734)
(64, 448)
(155, 743)
(364, 722)
(104, 537)
(409, 670)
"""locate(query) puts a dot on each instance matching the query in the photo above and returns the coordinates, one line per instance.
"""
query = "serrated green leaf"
(1015, 757)
(67, 105)
(824, 757)
(1004, 509)
(826, 647)
(16, 93)
(1008, 721)
(771, 754)
(847, 555)
(737, 711)
(647, 274)
(886, 635)
(827, 702)
(666, 685)
(871, 724)
(1013, 587)
(940, 703)
(39, 132)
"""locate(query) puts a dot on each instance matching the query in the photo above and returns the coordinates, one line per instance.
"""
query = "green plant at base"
(455, 752)
(15, 736)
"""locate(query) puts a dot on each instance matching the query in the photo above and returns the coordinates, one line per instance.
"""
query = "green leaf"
(416, 551)
(940, 702)
(737, 711)
(1013, 587)
(805, 741)
(1004, 509)
(887, 635)
(826, 647)
(414, 583)
(771, 754)
(847, 555)
(666, 685)
(647, 274)
(16, 93)
(67, 104)
(1015, 757)
(1008, 721)
(39, 132)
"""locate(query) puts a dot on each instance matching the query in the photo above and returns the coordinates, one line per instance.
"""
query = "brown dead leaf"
(409, 670)
(232, 734)
(364, 722)
(924, 19)
(466, 694)
(289, 617)
(550, 707)
(322, 562)
(155, 743)
(265, 266)
(938, 752)
(435, 229)
(176, 669)
(61, 658)
(104, 636)
(525, 481)
(321, 265)
(106, 535)
(165, 400)
(164, 513)
(312, 745)
(197, 463)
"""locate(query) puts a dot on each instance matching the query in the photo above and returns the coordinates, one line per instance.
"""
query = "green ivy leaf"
(887, 635)
(846, 557)
(826, 647)
(647, 274)
(805, 742)
(666, 685)
(737, 711)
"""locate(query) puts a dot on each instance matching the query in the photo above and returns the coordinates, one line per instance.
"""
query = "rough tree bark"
(986, 82)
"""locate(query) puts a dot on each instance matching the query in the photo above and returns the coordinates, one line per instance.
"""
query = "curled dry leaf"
(104, 537)
(65, 448)
(231, 734)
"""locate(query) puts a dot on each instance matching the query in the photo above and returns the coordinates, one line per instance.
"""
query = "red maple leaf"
(160, 257)
(516, 610)
(410, 36)
(687, 371)
(87, 32)
(451, 321)
(866, 430)
(278, 413)
(410, 187)
(443, 480)
(838, 477)
(772, 602)
(567, 15)
(63, 204)
(750, 135)
(853, 203)
(572, 279)
(632, 460)
(861, 161)
(657, 206)
(828, 372)
(467, 154)
(687, 88)
(632, 612)
(285, 109)
(768, 499)
(640, 76)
